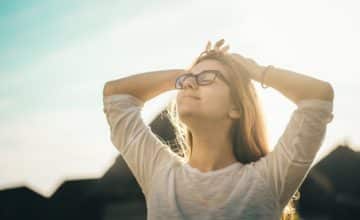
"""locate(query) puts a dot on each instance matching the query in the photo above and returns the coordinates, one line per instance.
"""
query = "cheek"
(218, 103)
(217, 95)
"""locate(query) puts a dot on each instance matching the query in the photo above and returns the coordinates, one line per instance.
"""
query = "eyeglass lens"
(203, 78)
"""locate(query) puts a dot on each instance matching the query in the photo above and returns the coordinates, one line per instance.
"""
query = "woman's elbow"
(328, 93)
(106, 89)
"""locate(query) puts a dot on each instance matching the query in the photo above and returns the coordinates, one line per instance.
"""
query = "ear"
(234, 113)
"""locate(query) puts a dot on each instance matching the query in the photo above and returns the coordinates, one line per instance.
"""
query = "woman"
(224, 169)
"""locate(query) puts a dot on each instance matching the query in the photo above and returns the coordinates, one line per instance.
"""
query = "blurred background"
(56, 158)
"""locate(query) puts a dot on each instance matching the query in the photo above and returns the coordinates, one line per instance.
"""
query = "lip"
(191, 96)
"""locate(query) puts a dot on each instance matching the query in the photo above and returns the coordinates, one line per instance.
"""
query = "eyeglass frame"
(190, 74)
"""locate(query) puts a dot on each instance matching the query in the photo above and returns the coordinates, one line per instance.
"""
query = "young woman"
(224, 169)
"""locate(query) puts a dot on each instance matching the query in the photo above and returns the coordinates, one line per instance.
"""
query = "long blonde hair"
(249, 130)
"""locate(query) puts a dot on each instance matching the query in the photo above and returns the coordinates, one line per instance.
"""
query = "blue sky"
(55, 57)
(31, 29)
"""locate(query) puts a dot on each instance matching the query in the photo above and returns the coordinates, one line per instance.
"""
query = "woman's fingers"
(208, 46)
(225, 49)
(219, 43)
(217, 47)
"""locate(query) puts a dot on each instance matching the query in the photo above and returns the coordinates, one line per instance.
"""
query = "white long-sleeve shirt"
(175, 190)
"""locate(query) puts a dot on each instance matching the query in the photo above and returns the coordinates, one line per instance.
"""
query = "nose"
(190, 82)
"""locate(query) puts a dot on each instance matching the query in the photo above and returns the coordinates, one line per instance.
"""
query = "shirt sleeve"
(141, 149)
(286, 167)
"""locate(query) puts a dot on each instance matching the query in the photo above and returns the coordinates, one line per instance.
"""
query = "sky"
(56, 56)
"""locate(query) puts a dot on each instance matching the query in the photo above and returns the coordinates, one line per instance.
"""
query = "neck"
(211, 150)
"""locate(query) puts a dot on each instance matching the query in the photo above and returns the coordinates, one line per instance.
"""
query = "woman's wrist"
(256, 72)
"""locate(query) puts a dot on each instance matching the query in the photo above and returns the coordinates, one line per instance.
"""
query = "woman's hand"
(250, 65)
(253, 68)
(217, 47)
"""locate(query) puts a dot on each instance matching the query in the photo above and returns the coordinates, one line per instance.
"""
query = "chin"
(186, 112)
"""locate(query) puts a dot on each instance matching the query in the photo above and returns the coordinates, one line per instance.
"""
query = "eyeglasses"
(204, 78)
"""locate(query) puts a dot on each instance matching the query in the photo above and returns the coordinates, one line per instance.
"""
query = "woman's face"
(213, 101)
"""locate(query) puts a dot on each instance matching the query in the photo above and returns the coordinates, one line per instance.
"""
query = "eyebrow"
(207, 71)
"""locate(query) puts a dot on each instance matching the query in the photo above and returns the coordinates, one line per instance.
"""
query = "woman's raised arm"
(294, 86)
(123, 101)
(143, 85)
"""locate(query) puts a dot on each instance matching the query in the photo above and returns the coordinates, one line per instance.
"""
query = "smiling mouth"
(193, 97)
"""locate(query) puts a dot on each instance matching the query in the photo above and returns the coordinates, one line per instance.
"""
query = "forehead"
(208, 64)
